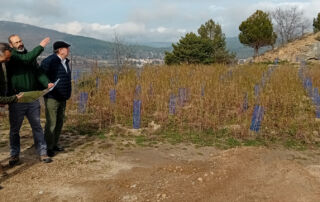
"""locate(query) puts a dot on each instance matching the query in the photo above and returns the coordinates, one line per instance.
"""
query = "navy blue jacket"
(54, 70)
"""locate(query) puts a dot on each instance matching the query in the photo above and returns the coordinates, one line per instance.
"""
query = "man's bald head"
(16, 42)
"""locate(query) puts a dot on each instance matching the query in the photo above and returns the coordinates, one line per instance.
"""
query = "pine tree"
(209, 47)
(190, 49)
(257, 31)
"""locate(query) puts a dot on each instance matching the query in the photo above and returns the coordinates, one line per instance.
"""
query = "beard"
(20, 48)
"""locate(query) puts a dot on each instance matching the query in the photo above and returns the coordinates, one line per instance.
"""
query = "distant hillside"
(99, 49)
(81, 46)
(233, 45)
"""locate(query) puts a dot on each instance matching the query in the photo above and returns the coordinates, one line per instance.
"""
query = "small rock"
(163, 195)
(211, 173)
(133, 186)
(129, 198)
(206, 174)
(200, 179)
(40, 192)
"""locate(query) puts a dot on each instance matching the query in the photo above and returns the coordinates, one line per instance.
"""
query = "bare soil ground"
(101, 169)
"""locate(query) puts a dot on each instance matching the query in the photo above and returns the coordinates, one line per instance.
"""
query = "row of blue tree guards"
(312, 92)
(83, 99)
(226, 76)
(76, 76)
(258, 111)
(181, 99)
(137, 103)
(112, 92)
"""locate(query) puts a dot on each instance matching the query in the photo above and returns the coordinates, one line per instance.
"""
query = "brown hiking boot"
(14, 160)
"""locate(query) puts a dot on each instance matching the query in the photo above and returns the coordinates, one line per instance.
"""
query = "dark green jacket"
(23, 72)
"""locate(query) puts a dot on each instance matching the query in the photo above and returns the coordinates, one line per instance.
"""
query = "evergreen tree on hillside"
(257, 31)
(191, 49)
(211, 30)
(316, 24)
(209, 47)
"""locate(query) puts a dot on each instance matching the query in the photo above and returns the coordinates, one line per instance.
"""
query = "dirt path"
(93, 169)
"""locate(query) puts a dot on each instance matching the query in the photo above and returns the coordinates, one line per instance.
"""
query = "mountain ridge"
(92, 48)
(80, 45)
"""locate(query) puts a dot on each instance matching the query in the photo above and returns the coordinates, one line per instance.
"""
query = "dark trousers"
(55, 111)
(17, 111)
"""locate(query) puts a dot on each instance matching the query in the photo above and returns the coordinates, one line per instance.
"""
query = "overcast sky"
(141, 20)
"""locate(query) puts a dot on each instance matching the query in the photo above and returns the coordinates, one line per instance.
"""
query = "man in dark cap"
(56, 66)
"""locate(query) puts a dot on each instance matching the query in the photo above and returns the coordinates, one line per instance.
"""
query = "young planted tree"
(316, 24)
(257, 31)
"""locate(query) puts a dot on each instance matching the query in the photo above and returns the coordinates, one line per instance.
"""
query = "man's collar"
(62, 60)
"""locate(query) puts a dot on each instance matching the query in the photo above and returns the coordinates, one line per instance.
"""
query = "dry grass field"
(196, 146)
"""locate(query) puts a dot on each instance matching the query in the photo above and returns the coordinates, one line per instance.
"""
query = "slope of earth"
(305, 48)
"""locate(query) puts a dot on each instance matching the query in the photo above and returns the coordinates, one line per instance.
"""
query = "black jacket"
(54, 70)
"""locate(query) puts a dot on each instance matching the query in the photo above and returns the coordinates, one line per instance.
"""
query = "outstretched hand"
(45, 42)
(50, 85)
(20, 95)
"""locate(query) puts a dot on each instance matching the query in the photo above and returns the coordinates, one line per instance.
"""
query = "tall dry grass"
(215, 97)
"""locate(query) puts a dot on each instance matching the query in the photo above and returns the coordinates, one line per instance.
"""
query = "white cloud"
(154, 20)
(22, 18)
(231, 17)
(130, 28)
(159, 29)
(70, 28)
(128, 31)
(216, 8)
(35, 8)
(182, 31)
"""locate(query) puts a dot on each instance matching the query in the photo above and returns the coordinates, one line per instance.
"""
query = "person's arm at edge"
(8, 100)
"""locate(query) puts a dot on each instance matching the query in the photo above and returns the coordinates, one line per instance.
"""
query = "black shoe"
(14, 160)
(50, 153)
(58, 149)
(45, 159)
